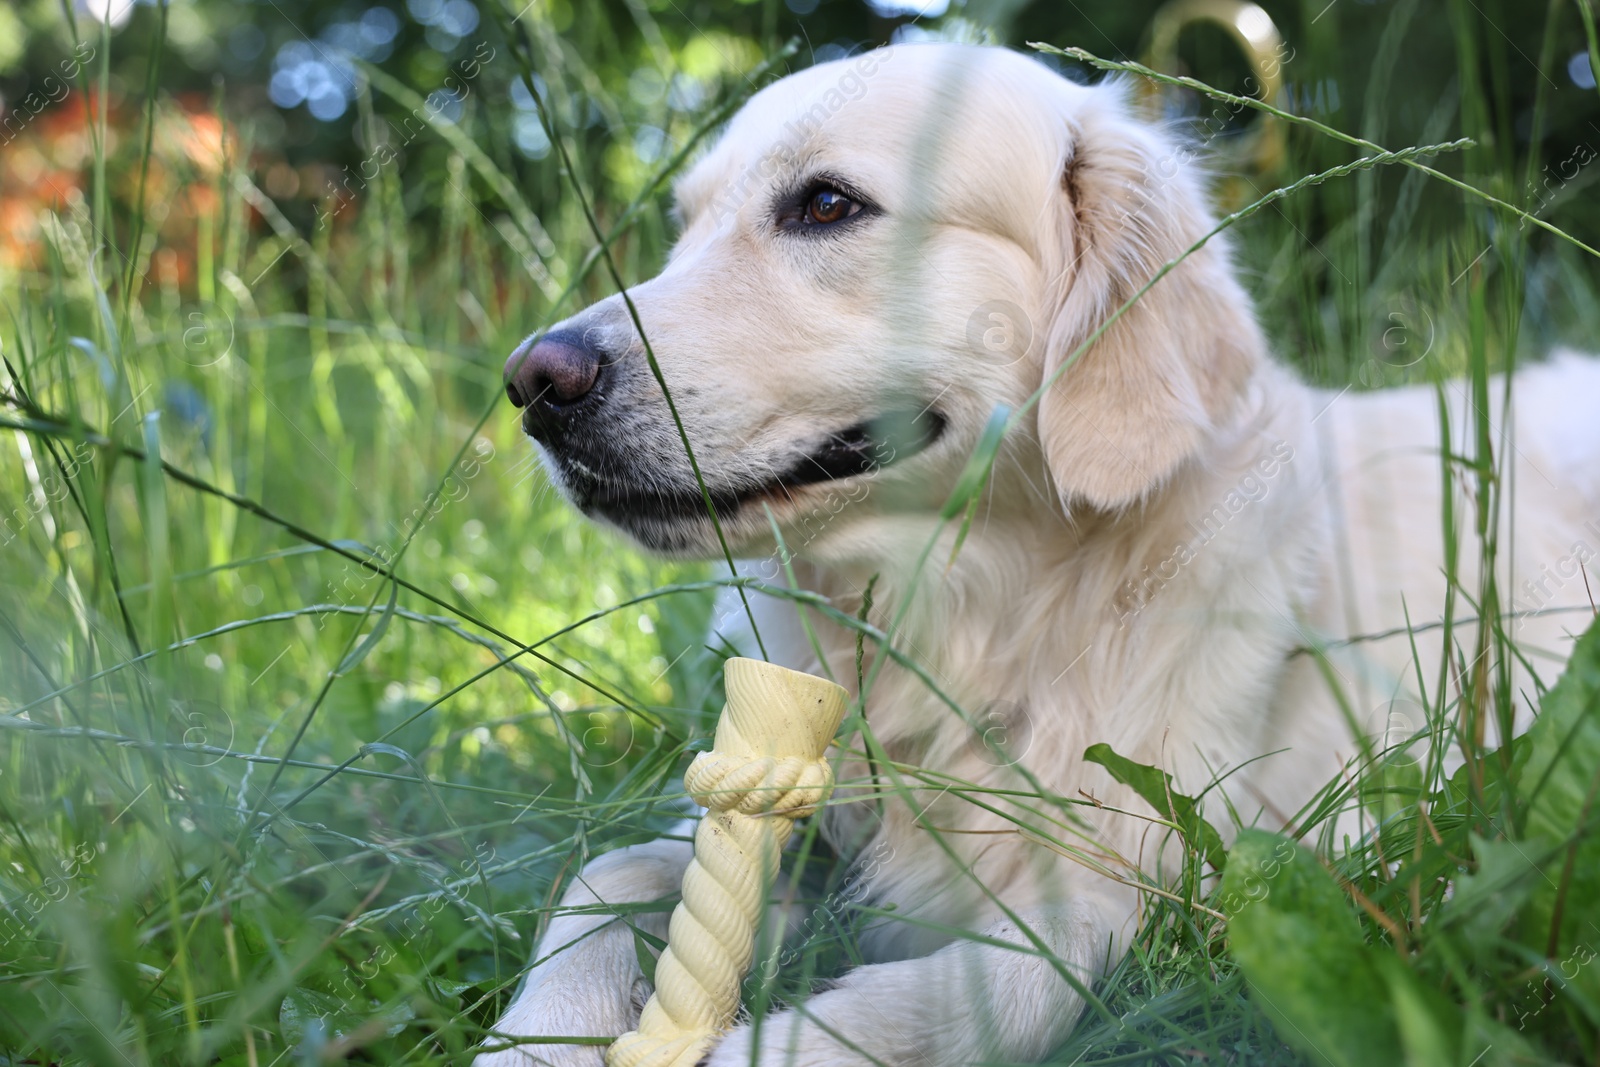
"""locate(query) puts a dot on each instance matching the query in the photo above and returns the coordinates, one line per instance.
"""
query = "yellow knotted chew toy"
(764, 771)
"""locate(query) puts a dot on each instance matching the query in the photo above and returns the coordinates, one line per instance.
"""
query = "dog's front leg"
(969, 1002)
(591, 984)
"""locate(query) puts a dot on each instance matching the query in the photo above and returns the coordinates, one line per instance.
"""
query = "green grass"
(314, 696)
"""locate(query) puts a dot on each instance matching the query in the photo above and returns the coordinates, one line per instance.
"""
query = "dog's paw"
(504, 1052)
(787, 1039)
(543, 1056)
(587, 981)
(557, 1009)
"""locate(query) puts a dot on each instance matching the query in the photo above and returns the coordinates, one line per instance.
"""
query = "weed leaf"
(1155, 786)
(1300, 945)
(370, 642)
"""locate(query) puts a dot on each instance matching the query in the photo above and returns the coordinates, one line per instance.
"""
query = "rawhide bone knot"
(764, 771)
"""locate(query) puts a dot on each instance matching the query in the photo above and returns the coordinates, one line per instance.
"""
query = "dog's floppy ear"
(1143, 398)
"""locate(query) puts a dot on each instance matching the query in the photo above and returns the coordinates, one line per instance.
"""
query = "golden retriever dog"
(876, 254)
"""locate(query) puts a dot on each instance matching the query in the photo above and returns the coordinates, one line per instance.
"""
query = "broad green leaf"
(1391, 785)
(1549, 873)
(1429, 1025)
(1487, 900)
(1433, 1030)
(1459, 788)
(1155, 786)
(1560, 784)
(1294, 934)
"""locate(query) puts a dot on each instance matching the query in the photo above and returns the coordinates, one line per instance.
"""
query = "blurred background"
(305, 99)
(260, 805)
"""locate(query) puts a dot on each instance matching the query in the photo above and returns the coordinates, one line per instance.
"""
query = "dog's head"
(876, 253)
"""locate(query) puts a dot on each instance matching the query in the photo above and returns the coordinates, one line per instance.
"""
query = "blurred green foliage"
(635, 76)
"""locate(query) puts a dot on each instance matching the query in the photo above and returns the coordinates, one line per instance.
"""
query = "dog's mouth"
(637, 502)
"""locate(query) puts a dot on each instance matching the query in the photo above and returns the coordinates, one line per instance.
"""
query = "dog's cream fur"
(1179, 517)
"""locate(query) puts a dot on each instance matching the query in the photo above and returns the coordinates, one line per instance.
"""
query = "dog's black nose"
(557, 370)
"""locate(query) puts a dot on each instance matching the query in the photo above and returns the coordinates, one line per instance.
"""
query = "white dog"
(878, 253)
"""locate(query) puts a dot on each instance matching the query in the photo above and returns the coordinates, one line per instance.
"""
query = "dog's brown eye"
(830, 205)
